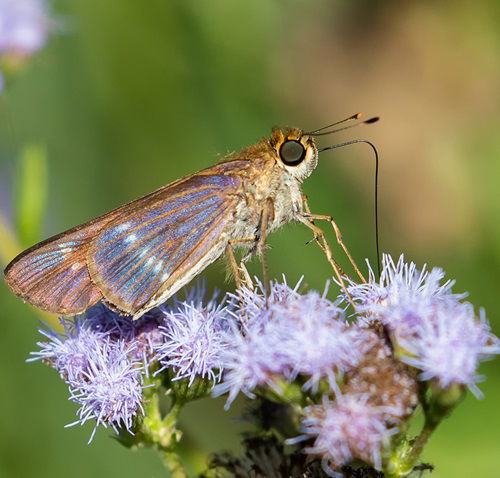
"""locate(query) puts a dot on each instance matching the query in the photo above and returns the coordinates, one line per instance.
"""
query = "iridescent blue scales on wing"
(137, 254)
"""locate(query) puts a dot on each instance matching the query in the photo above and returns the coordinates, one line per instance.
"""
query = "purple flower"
(146, 338)
(401, 283)
(142, 335)
(320, 344)
(69, 352)
(346, 429)
(435, 330)
(449, 345)
(96, 355)
(252, 360)
(285, 335)
(24, 26)
(193, 337)
(110, 391)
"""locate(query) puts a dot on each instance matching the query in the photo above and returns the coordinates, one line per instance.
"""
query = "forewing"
(53, 275)
(164, 237)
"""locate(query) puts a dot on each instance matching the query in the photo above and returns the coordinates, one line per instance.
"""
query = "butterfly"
(138, 255)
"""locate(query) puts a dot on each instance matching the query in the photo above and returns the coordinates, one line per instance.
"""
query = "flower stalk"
(438, 407)
(156, 431)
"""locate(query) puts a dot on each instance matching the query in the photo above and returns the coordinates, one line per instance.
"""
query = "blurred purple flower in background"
(24, 27)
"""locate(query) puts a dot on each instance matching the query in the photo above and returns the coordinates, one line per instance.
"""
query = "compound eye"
(292, 152)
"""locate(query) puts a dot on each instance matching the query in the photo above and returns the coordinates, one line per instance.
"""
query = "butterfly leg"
(258, 244)
(320, 239)
(266, 217)
(240, 269)
(338, 234)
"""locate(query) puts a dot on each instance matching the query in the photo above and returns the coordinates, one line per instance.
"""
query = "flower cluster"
(106, 359)
(434, 329)
(350, 382)
(285, 335)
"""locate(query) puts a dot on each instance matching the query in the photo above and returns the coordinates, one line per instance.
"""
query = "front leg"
(320, 217)
(320, 239)
(338, 235)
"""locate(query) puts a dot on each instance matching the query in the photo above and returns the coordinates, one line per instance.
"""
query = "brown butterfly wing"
(53, 274)
(69, 272)
(151, 251)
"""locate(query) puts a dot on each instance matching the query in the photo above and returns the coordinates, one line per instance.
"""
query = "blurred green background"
(129, 95)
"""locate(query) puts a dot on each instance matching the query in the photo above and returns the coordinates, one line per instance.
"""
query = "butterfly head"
(295, 151)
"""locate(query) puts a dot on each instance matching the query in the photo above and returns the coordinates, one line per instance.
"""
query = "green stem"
(436, 409)
(419, 443)
(406, 455)
(173, 463)
(162, 433)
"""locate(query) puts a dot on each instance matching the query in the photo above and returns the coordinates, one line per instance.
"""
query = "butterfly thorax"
(265, 184)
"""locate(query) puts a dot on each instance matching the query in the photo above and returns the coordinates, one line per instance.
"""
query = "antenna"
(351, 118)
(368, 121)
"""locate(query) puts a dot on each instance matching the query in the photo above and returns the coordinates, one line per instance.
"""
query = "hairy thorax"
(271, 187)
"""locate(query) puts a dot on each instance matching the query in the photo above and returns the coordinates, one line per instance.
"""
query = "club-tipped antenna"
(354, 141)
(351, 118)
(368, 121)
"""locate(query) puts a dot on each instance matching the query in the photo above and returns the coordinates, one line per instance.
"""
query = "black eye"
(292, 152)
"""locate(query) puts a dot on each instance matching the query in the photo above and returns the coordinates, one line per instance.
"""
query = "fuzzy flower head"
(346, 429)
(449, 347)
(143, 335)
(402, 284)
(112, 390)
(193, 338)
(319, 343)
(433, 328)
(285, 335)
(96, 356)
(70, 352)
